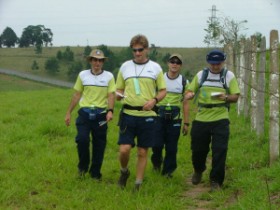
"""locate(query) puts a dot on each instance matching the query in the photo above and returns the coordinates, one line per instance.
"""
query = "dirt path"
(195, 193)
(37, 78)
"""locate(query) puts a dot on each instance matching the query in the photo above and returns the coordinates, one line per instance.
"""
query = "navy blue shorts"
(141, 127)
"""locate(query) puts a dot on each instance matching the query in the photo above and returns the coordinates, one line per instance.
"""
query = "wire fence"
(257, 71)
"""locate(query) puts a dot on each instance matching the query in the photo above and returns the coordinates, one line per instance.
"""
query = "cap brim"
(98, 57)
(175, 57)
(215, 62)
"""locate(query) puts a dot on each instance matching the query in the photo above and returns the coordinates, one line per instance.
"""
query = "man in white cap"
(170, 118)
(95, 93)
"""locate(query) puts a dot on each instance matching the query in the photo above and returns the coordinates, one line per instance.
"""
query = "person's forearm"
(111, 100)
(186, 111)
(161, 94)
(232, 98)
(75, 99)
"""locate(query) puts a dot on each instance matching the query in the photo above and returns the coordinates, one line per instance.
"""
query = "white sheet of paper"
(216, 94)
(121, 95)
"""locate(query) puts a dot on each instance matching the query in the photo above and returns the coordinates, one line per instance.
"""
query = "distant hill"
(21, 59)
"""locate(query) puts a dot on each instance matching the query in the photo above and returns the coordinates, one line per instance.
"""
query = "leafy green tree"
(87, 50)
(213, 33)
(68, 54)
(74, 69)
(38, 49)
(34, 65)
(9, 37)
(112, 61)
(223, 31)
(166, 57)
(59, 55)
(259, 38)
(35, 35)
(52, 65)
(153, 53)
(0, 41)
(231, 31)
(124, 55)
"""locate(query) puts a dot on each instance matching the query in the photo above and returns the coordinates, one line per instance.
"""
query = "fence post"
(261, 88)
(274, 97)
(253, 82)
(230, 57)
(247, 77)
(240, 102)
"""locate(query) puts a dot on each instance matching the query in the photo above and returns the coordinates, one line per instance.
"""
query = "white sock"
(138, 181)
(124, 170)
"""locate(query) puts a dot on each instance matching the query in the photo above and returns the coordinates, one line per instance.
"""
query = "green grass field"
(38, 162)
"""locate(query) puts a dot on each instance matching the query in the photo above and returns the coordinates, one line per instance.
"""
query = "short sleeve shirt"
(204, 95)
(140, 83)
(95, 88)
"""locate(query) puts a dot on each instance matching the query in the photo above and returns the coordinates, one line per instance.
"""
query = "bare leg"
(124, 155)
(142, 154)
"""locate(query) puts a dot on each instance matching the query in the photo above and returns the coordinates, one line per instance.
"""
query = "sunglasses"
(96, 60)
(176, 62)
(137, 49)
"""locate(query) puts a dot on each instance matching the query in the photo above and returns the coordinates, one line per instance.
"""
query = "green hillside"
(21, 59)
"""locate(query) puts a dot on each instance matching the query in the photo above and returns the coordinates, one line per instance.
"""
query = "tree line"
(76, 64)
(37, 36)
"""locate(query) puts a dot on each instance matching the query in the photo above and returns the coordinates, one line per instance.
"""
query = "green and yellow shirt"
(212, 85)
(139, 82)
(95, 88)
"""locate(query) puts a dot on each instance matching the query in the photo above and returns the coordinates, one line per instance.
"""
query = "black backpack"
(222, 79)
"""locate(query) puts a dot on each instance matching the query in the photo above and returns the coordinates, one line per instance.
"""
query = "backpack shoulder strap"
(184, 82)
(204, 76)
(223, 75)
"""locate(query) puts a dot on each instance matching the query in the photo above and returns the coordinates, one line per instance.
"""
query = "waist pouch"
(91, 114)
(169, 114)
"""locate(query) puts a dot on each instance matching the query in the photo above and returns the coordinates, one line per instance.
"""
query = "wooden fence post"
(253, 83)
(261, 88)
(274, 97)
(240, 102)
(247, 77)
(230, 57)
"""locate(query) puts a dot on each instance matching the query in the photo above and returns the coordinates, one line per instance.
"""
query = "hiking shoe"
(81, 174)
(136, 187)
(196, 178)
(215, 186)
(168, 175)
(123, 178)
(97, 178)
(156, 168)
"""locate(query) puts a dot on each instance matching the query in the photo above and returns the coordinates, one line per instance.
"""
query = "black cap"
(216, 57)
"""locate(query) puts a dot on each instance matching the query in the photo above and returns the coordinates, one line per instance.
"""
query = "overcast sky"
(175, 23)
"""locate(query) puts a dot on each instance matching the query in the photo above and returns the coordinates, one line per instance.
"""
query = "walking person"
(216, 87)
(140, 85)
(170, 119)
(95, 93)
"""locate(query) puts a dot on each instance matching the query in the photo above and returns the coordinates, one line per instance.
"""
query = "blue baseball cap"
(216, 57)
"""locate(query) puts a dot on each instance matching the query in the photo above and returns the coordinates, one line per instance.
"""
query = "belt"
(169, 108)
(138, 108)
(213, 105)
(95, 109)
